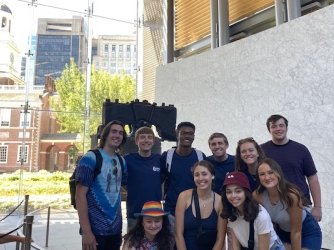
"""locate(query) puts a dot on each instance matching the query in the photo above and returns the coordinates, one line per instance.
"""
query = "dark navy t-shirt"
(179, 179)
(144, 181)
(295, 160)
(221, 169)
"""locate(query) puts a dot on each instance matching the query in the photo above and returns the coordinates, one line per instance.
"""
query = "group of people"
(260, 198)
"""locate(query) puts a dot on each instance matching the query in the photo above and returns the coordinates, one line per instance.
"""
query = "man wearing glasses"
(176, 166)
(98, 197)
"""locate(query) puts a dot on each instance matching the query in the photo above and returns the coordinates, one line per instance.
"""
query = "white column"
(214, 23)
(223, 22)
(280, 12)
(293, 9)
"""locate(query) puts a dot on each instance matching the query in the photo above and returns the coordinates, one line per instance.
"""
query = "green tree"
(69, 103)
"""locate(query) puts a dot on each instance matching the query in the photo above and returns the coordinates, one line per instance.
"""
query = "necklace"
(205, 201)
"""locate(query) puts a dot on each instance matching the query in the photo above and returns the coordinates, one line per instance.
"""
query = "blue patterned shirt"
(103, 196)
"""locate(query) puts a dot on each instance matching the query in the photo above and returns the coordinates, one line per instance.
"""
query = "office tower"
(115, 54)
(59, 40)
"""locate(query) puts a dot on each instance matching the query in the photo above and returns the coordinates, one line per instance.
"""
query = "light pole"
(88, 72)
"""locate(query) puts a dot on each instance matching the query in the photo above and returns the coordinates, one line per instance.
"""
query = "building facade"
(59, 40)
(285, 70)
(33, 134)
(115, 54)
(10, 61)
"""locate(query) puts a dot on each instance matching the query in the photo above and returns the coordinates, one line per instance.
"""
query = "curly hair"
(250, 207)
(284, 188)
(240, 165)
(164, 238)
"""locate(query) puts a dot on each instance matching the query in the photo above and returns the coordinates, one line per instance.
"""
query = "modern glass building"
(58, 40)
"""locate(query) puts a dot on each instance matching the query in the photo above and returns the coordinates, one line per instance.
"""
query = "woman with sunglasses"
(294, 224)
(151, 231)
(245, 214)
(247, 157)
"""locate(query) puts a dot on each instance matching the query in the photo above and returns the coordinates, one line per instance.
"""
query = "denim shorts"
(278, 245)
(311, 233)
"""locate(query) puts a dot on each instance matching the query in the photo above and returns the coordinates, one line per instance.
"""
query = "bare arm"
(295, 213)
(88, 238)
(264, 241)
(221, 225)
(11, 238)
(314, 184)
(257, 197)
(179, 220)
(235, 242)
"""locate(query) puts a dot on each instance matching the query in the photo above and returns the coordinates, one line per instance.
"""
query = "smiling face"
(218, 147)
(278, 131)
(145, 142)
(152, 226)
(185, 136)
(115, 136)
(236, 196)
(249, 153)
(268, 177)
(203, 177)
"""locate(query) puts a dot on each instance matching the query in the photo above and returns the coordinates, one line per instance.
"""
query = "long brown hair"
(106, 130)
(164, 238)
(284, 188)
(240, 165)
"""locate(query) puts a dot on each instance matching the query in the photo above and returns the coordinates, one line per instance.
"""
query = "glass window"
(25, 154)
(3, 154)
(5, 117)
(120, 48)
(3, 22)
(134, 48)
(113, 48)
(106, 48)
(27, 135)
(27, 123)
(128, 48)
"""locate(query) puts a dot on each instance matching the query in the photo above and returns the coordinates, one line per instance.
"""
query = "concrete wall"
(233, 89)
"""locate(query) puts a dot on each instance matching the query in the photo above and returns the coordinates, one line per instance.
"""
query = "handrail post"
(25, 212)
(47, 228)
(28, 231)
(26, 203)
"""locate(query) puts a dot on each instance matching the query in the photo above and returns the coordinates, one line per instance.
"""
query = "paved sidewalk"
(64, 229)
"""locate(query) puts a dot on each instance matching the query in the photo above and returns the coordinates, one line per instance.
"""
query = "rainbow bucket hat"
(151, 209)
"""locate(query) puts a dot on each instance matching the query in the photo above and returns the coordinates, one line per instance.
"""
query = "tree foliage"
(69, 102)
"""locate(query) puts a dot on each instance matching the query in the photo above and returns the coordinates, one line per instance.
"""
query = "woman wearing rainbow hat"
(152, 231)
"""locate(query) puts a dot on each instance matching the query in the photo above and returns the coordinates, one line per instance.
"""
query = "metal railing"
(27, 225)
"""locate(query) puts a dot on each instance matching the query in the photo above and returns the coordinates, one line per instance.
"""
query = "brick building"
(44, 147)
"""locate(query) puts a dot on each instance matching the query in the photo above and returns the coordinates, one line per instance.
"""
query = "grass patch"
(44, 189)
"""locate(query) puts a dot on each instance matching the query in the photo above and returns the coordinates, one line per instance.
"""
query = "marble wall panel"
(288, 69)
